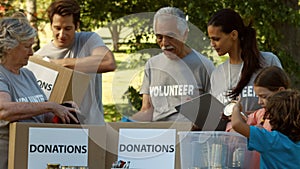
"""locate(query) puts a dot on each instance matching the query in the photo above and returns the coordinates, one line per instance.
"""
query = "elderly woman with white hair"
(21, 99)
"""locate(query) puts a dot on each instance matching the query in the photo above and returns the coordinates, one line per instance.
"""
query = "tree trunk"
(115, 34)
(290, 43)
(32, 17)
(291, 34)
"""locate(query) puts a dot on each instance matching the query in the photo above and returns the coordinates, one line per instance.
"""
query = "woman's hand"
(71, 103)
(64, 112)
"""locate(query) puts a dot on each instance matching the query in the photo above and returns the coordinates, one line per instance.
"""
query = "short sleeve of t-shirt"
(95, 41)
(260, 139)
(3, 84)
(271, 59)
(146, 81)
(85, 43)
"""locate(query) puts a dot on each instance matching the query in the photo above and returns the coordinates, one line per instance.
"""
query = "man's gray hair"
(14, 30)
(182, 24)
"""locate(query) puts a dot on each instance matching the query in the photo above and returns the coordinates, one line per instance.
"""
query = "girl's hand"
(238, 106)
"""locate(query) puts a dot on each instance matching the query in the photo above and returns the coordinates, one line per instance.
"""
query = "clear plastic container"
(215, 150)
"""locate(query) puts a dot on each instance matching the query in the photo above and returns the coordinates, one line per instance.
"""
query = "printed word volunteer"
(172, 90)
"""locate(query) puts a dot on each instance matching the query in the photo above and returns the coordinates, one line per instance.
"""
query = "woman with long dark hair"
(235, 77)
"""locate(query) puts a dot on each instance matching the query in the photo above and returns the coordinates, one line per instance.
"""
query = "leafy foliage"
(134, 98)
(111, 114)
(6, 8)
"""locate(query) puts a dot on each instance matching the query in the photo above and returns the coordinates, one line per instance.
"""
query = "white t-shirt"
(83, 45)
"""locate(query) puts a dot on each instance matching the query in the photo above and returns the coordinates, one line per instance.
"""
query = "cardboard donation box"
(34, 145)
(59, 83)
(144, 145)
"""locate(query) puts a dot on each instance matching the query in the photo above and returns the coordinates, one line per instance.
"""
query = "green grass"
(114, 86)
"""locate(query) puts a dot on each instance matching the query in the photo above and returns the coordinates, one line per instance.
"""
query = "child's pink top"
(255, 119)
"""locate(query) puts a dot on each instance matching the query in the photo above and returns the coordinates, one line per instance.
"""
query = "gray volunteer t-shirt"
(226, 76)
(84, 44)
(170, 82)
(22, 88)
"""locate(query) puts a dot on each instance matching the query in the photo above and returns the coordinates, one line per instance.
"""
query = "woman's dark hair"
(272, 78)
(230, 20)
(65, 8)
(283, 110)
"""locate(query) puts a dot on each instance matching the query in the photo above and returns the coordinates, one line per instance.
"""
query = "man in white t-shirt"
(81, 51)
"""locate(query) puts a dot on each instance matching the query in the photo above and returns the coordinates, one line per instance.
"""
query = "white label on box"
(147, 148)
(67, 147)
(45, 77)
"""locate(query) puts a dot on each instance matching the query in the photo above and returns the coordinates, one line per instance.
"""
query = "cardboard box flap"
(69, 85)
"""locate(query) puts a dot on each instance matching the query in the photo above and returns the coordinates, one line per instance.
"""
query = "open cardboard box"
(69, 84)
(103, 141)
(112, 137)
(19, 140)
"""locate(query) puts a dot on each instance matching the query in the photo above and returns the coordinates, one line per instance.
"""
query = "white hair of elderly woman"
(13, 30)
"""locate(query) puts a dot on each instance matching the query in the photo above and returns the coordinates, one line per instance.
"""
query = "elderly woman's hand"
(65, 113)
(70, 104)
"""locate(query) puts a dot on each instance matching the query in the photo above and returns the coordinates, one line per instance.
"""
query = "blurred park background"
(126, 28)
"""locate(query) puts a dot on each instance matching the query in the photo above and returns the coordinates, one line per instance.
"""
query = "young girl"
(279, 148)
(235, 77)
(268, 81)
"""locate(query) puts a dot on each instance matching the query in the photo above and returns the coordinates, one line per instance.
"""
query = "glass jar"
(53, 166)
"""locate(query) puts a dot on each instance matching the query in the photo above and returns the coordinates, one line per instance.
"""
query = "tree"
(113, 15)
(32, 17)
